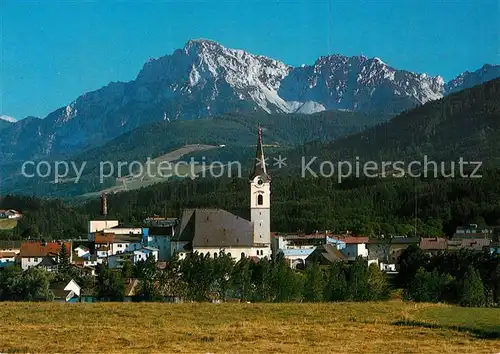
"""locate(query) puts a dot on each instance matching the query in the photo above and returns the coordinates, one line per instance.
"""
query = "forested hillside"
(237, 132)
(465, 124)
(365, 206)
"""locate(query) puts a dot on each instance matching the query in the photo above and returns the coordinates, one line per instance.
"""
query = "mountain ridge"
(463, 125)
(206, 79)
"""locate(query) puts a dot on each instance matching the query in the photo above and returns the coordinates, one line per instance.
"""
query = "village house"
(66, 291)
(119, 259)
(7, 259)
(160, 236)
(82, 251)
(32, 253)
(433, 245)
(10, 214)
(474, 244)
(386, 251)
(325, 255)
(351, 246)
(296, 257)
(472, 231)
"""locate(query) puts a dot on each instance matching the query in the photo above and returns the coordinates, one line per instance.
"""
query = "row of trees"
(202, 278)
(461, 277)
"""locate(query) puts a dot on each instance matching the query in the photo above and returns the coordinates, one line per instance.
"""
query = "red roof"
(433, 243)
(352, 239)
(38, 249)
(104, 238)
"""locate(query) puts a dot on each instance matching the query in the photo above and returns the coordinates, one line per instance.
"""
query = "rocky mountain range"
(206, 79)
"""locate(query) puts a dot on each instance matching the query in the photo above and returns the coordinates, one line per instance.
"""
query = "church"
(211, 231)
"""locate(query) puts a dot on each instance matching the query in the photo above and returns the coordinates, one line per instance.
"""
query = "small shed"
(66, 291)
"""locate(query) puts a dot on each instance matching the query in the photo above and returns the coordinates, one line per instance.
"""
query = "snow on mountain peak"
(8, 118)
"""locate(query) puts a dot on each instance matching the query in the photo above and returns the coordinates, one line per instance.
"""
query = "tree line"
(461, 277)
(458, 277)
(372, 207)
(203, 278)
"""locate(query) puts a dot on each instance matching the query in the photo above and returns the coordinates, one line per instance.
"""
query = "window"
(215, 254)
(35, 259)
(242, 254)
(260, 199)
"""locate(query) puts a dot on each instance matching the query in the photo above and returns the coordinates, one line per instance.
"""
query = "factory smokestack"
(104, 204)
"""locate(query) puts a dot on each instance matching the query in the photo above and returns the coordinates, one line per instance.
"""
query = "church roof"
(214, 228)
(259, 166)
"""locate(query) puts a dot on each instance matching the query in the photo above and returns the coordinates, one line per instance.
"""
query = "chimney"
(104, 204)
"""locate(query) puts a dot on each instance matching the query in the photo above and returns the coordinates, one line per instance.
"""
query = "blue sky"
(53, 52)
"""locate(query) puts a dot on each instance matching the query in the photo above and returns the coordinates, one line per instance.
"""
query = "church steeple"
(260, 201)
(259, 166)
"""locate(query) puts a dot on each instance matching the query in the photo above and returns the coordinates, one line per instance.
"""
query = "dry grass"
(245, 328)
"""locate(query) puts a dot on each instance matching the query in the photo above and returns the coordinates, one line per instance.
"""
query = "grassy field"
(137, 180)
(387, 327)
(7, 224)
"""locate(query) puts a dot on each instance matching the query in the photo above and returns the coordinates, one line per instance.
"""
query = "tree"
(357, 281)
(64, 269)
(222, 269)
(146, 269)
(36, 284)
(411, 259)
(110, 285)
(127, 270)
(262, 280)
(429, 286)
(197, 273)
(10, 278)
(377, 283)
(242, 279)
(170, 280)
(336, 285)
(472, 289)
(314, 283)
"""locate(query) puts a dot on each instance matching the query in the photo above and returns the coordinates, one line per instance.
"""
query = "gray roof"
(47, 262)
(325, 254)
(214, 228)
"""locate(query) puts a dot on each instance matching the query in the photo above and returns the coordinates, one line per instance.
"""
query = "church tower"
(260, 198)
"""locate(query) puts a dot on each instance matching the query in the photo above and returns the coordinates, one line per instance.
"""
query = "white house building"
(160, 234)
(82, 251)
(33, 252)
(119, 259)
